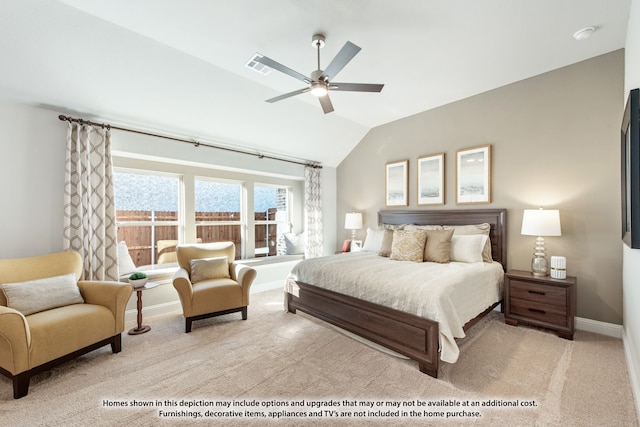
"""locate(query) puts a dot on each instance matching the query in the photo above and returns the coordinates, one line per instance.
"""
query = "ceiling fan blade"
(283, 69)
(356, 87)
(346, 54)
(327, 106)
(288, 95)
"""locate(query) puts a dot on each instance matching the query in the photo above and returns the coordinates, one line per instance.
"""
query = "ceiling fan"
(319, 83)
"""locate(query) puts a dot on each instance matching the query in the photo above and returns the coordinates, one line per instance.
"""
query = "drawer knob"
(537, 292)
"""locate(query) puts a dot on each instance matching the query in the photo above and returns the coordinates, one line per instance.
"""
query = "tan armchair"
(35, 342)
(210, 283)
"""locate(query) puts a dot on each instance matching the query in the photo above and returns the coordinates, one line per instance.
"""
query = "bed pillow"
(483, 229)
(438, 246)
(387, 239)
(408, 245)
(423, 227)
(209, 269)
(38, 295)
(294, 243)
(373, 241)
(467, 248)
(125, 263)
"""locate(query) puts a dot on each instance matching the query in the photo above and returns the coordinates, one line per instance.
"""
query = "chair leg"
(244, 313)
(187, 327)
(21, 385)
(116, 344)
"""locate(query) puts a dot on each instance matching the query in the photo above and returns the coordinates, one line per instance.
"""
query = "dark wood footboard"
(407, 334)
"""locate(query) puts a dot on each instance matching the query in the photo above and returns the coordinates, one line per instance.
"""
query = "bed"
(401, 330)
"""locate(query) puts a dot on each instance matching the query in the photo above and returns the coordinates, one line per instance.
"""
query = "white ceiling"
(178, 66)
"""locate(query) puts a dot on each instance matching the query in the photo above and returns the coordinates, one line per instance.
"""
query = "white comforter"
(451, 294)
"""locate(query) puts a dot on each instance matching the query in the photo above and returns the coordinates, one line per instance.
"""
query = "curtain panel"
(89, 208)
(313, 212)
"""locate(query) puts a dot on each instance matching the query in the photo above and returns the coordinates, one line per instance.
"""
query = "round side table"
(141, 329)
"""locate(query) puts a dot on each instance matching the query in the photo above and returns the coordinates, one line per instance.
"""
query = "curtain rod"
(309, 163)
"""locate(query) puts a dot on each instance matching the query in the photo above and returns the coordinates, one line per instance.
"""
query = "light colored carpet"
(279, 359)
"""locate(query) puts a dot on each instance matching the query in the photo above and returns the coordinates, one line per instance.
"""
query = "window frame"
(288, 223)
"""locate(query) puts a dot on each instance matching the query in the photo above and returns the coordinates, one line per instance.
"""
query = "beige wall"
(554, 141)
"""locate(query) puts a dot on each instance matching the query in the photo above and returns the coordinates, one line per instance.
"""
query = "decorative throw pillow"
(483, 229)
(438, 246)
(373, 241)
(387, 241)
(467, 248)
(125, 263)
(209, 269)
(408, 245)
(294, 243)
(38, 295)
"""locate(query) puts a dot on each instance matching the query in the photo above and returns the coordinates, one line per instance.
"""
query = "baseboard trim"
(631, 367)
(154, 310)
(598, 327)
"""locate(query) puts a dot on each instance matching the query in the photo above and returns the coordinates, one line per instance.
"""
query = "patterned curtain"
(313, 212)
(89, 211)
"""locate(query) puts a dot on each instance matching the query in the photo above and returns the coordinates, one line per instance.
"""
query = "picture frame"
(431, 180)
(473, 175)
(356, 246)
(630, 170)
(396, 183)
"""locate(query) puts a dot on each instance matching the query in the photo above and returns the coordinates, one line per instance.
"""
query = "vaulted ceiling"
(179, 67)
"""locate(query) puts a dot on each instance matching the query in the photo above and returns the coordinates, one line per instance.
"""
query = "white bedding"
(451, 294)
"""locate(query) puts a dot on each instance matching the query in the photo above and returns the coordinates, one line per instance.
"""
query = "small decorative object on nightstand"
(541, 301)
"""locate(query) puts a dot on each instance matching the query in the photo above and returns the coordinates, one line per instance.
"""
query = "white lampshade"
(353, 221)
(541, 222)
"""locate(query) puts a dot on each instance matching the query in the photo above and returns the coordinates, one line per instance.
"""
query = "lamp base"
(540, 266)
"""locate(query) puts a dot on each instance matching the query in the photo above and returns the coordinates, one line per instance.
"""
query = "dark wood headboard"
(497, 218)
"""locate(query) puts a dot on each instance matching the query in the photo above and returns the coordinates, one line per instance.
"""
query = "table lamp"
(540, 222)
(353, 222)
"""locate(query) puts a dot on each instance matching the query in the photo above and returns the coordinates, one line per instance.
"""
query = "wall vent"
(257, 66)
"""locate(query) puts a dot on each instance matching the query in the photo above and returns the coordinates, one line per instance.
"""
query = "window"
(218, 212)
(147, 215)
(271, 219)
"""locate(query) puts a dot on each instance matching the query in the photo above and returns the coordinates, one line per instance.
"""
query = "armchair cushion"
(38, 295)
(209, 268)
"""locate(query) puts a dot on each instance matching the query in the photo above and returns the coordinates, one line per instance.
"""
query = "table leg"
(140, 329)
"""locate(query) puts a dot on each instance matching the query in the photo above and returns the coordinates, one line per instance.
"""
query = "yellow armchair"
(210, 283)
(35, 342)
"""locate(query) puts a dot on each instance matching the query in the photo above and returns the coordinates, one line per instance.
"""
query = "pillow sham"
(38, 295)
(125, 263)
(483, 229)
(294, 243)
(467, 248)
(209, 269)
(408, 245)
(373, 241)
(438, 246)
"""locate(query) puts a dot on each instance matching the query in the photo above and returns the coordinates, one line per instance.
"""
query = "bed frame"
(407, 334)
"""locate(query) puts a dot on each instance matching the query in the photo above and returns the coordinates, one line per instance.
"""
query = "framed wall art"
(431, 180)
(396, 182)
(630, 167)
(473, 175)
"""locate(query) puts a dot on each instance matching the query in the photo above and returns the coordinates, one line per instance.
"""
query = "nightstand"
(541, 301)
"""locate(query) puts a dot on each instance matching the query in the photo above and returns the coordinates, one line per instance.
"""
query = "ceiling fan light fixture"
(318, 89)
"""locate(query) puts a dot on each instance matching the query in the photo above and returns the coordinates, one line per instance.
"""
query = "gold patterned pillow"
(408, 245)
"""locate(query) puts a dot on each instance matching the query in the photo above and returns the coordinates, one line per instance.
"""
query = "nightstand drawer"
(539, 293)
(540, 311)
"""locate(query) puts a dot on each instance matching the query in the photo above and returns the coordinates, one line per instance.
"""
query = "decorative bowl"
(138, 283)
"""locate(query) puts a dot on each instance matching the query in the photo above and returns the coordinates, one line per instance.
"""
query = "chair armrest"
(15, 340)
(242, 274)
(113, 295)
(182, 284)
